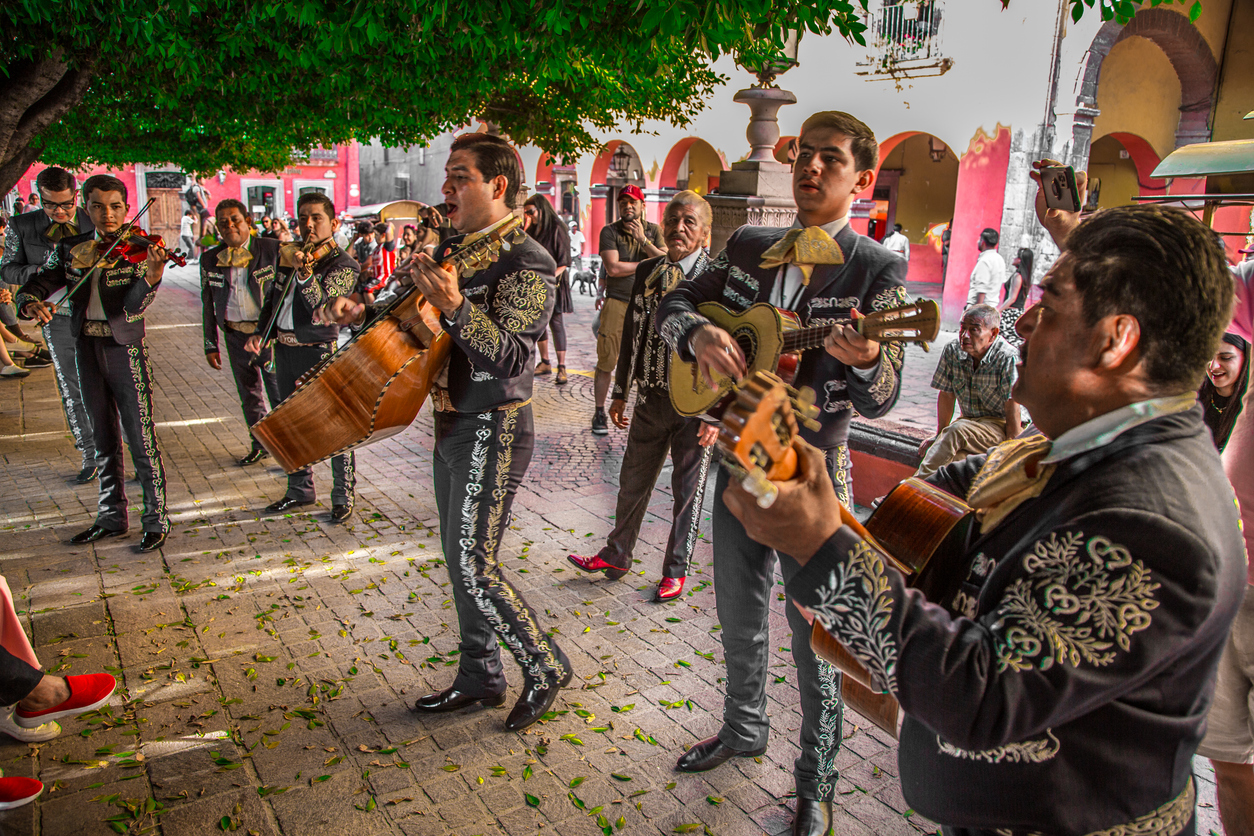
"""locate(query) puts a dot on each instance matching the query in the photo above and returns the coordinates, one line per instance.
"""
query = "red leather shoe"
(87, 693)
(596, 564)
(14, 792)
(669, 588)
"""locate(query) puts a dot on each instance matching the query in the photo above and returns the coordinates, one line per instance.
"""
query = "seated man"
(1064, 687)
(976, 371)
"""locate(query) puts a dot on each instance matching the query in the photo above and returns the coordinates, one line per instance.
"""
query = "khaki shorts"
(613, 313)
(1230, 723)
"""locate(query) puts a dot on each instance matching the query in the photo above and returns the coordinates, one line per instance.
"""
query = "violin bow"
(121, 236)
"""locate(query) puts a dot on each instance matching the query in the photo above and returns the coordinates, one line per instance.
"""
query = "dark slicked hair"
(866, 151)
(316, 197)
(53, 179)
(990, 237)
(104, 183)
(1164, 267)
(494, 157)
(231, 203)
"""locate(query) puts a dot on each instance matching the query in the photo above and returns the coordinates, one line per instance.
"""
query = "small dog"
(585, 280)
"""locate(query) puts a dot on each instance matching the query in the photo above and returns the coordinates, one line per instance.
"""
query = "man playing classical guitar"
(112, 355)
(656, 428)
(235, 277)
(1065, 687)
(821, 268)
(484, 431)
(302, 341)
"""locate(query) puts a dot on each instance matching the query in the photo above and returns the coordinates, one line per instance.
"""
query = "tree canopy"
(207, 84)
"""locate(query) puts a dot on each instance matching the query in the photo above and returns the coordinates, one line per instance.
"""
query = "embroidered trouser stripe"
(656, 429)
(253, 383)
(744, 584)
(479, 463)
(116, 382)
(59, 335)
(290, 362)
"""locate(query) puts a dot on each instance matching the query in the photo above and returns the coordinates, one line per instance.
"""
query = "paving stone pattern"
(268, 663)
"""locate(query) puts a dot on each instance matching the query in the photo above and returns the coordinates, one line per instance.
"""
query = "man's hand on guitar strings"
(804, 515)
(851, 348)
(716, 352)
(438, 284)
(339, 311)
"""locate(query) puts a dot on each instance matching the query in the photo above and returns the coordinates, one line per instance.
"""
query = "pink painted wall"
(978, 204)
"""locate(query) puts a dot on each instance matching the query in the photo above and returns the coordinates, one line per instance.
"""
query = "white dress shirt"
(987, 277)
(789, 282)
(240, 305)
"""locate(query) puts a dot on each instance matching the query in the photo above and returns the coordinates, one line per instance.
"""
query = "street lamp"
(620, 163)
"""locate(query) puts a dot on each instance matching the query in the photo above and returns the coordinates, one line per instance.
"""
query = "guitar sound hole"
(747, 339)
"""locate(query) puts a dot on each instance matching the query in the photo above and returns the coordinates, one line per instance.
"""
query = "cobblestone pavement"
(268, 663)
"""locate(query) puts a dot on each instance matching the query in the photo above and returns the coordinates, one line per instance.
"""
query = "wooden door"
(165, 215)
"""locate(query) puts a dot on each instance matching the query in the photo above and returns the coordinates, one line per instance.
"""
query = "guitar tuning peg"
(756, 483)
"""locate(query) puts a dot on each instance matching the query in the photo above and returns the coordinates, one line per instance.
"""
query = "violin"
(134, 247)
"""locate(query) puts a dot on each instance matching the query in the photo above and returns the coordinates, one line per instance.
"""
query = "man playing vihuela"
(1064, 686)
(822, 269)
(645, 359)
(976, 372)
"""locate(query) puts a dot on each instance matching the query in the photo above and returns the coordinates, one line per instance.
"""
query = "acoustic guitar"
(921, 529)
(772, 340)
(373, 387)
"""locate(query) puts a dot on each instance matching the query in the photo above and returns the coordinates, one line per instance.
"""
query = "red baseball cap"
(632, 192)
(1246, 251)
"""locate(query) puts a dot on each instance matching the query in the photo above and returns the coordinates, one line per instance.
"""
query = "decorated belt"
(242, 326)
(289, 338)
(441, 402)
(96, 328)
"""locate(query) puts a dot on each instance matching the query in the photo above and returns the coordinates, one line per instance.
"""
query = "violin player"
(310, 275)
(235, 277)
(484, 430)
(115, 375)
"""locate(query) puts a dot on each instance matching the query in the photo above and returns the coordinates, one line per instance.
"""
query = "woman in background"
(1223, 390)
(542, 223)
(1018, 286)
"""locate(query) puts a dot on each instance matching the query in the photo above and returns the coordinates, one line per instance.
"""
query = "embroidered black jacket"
(871, 279)
(25, 247)
(333, 275)
(507, 308)
(1070, 692)
(124, 291)
(215, 284)
(644, 356)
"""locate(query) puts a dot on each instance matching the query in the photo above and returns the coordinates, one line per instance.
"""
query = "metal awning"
(1203, 159)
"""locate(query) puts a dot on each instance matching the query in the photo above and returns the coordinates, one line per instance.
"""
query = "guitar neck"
(803, 339)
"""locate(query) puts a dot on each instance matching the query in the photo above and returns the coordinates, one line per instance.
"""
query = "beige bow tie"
(805, 248)
(1012, 474)
(663, 279)
(55, 231)
(234, 257)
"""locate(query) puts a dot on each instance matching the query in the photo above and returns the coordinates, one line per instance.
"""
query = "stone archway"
(1190, 56)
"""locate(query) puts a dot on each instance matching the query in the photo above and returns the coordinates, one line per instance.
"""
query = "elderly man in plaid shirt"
(976, 372)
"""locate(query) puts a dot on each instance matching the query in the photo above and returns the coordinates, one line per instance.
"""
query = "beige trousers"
(964, 437)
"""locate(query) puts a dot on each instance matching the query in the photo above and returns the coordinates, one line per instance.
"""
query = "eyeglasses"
(67, 206)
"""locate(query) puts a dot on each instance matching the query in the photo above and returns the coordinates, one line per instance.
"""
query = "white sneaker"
(24, 346)
(13, 371)
(39, 734)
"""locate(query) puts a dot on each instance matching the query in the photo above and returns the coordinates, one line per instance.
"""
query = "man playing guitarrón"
(484, 432)
(1065, 687)
(303, 342)
(821, 268)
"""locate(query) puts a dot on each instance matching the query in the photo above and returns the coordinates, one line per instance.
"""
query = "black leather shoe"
(287, 504)
(38, 362)
(710, 753)
(339, 513)
(451, 699)
(152, 541)
(255, 455)
(536, 699)
(93, 534)
(814, 818)
(87, 474)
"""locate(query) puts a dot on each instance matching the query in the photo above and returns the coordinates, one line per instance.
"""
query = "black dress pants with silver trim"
(290, 362)
(253, 383)
(59, 335)
(744, 586)
(479, 463)
(656, 429)
(116, 383)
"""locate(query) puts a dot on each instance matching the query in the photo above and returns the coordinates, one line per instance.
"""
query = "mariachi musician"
(311, 275)
(484, 432)
(114, 372)
(235, 277)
